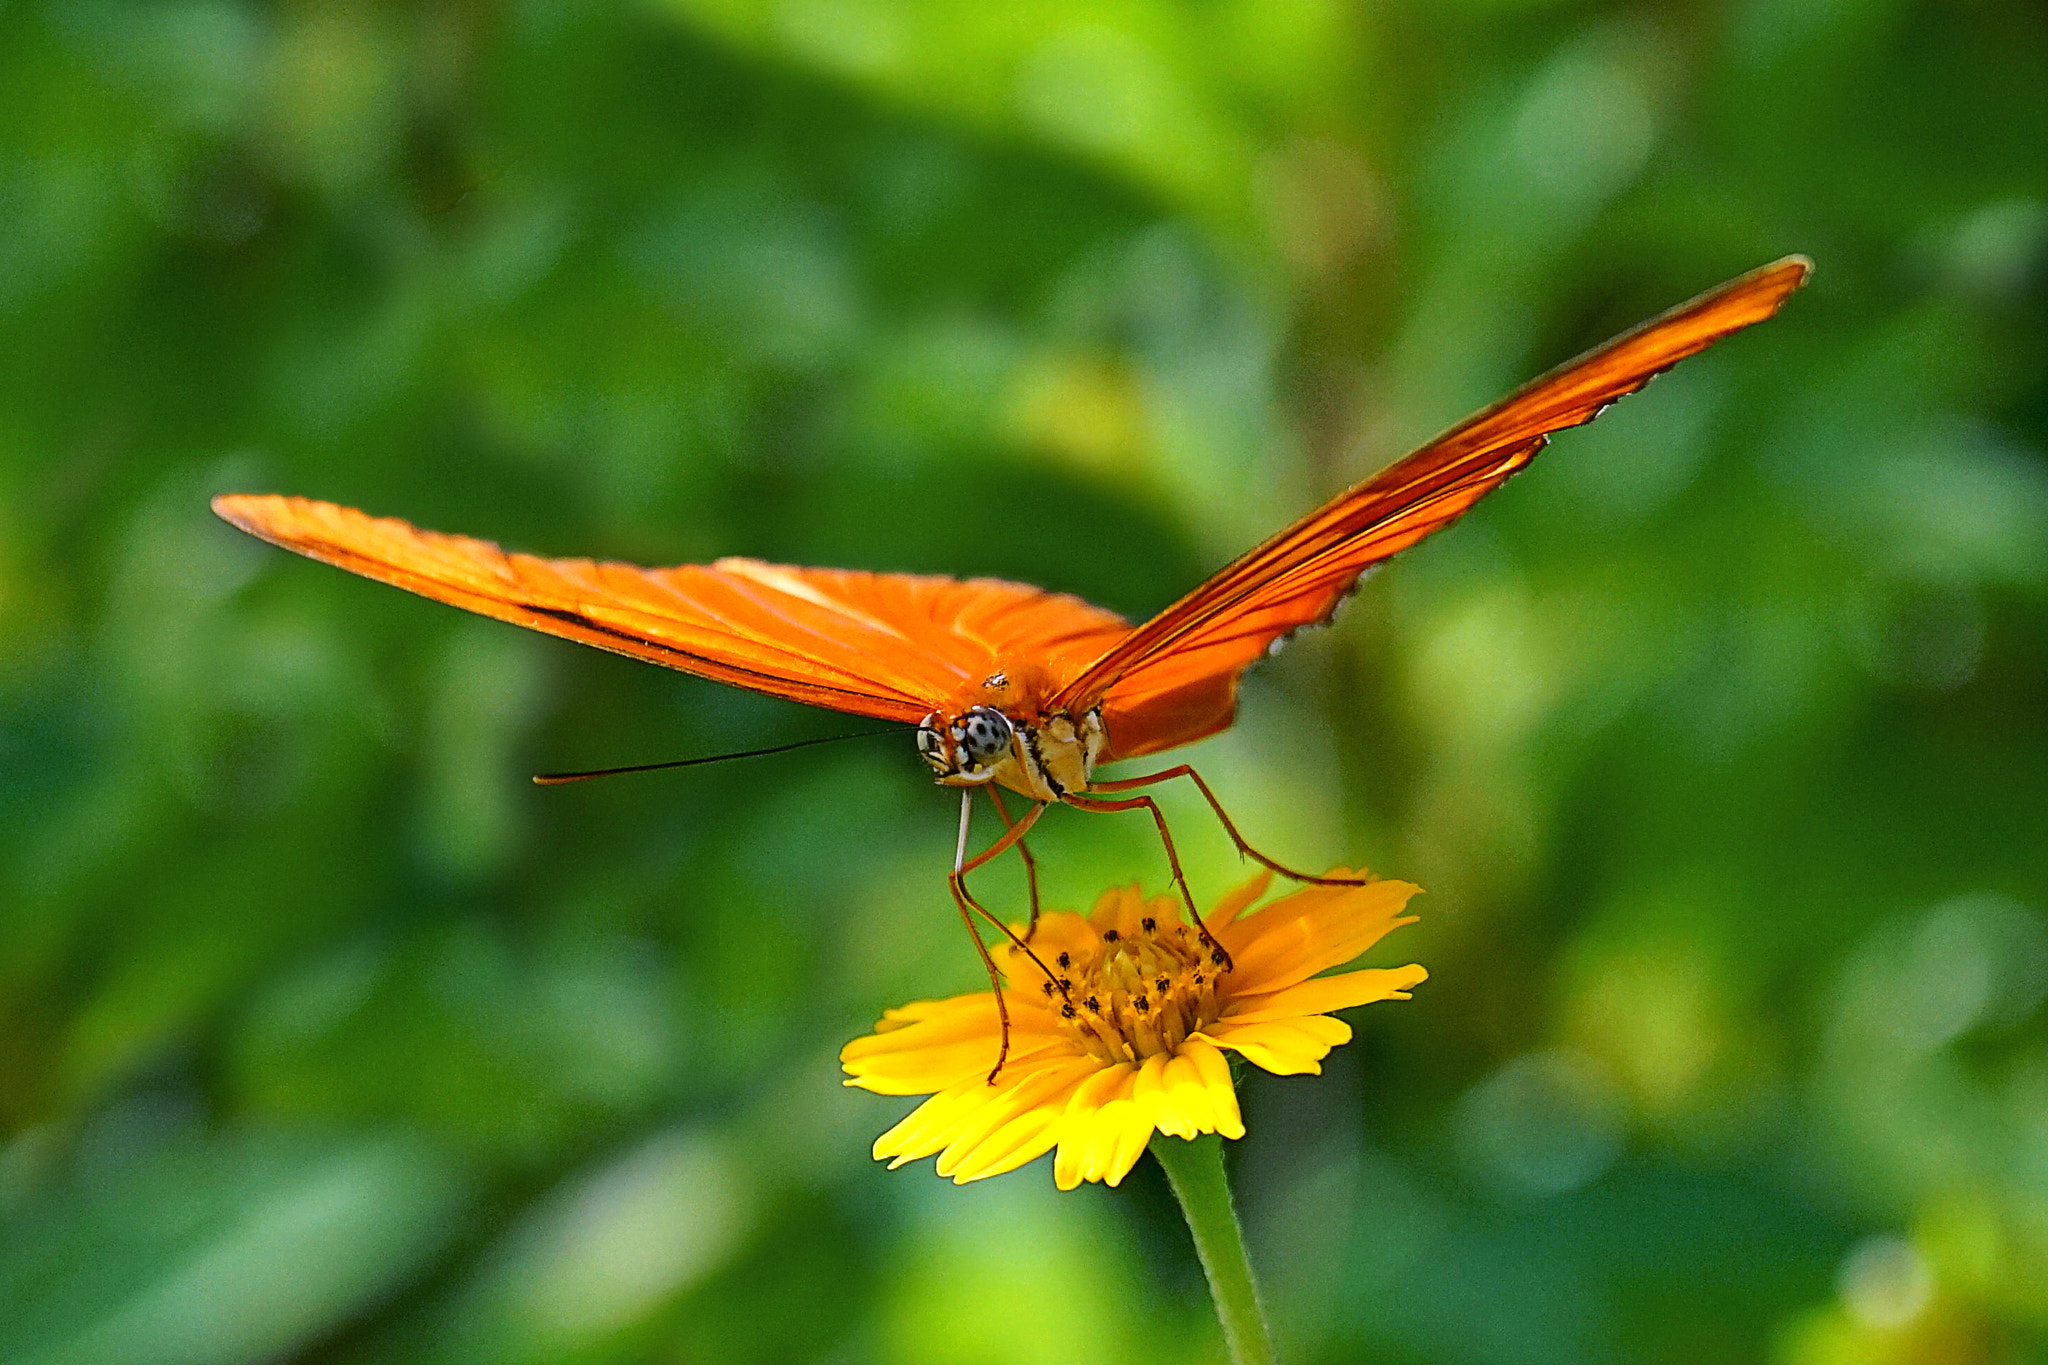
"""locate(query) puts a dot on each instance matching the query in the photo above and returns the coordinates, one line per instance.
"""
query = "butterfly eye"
(983, 735)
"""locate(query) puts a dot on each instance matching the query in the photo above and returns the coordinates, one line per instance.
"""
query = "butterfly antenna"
(562, 779)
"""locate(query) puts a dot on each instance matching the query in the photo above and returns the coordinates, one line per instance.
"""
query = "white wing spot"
(783, 581)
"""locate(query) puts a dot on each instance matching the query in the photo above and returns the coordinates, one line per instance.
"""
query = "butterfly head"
(1044, 758)
(966, 750)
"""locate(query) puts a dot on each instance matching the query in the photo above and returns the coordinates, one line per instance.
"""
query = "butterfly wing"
(890, 646)
(1174, 679)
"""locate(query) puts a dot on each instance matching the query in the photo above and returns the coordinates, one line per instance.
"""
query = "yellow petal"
(1285, 1047)
(1122, 1127)
(1161, 910)
(1234, 901)
(937, 1122)
(925, 1129)
(1133, 1136)
(1152, 1089)
(1058, 931)
(1129, 910)
(1015, 1126)
(1113, 906)
(929, 1127)
(1105, 1127)
(1003, 1102)
(928, 1020)
(1214, 1069)
(919, 1010)
(1314, 929)
(1185, 1108)
(1323, 994)
(927, 1071)
(1025, 1138)
(941, 1047)
(1088, 1136)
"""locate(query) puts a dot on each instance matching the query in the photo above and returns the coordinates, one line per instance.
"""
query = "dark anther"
(1198, 978)
(1149, 923)
(1066, 1011)
(1065, 960)
(1048, 988)
(1161, 984)
(1110, 936)
(1142, 1004)
(1066, 983)
(1094, 1005)
(1216, 956)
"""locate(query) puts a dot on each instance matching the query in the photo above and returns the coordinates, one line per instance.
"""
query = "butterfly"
(1007, 685)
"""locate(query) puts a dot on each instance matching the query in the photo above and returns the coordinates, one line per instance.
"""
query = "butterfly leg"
(995, 979)
(969, 907)
(962, 865)
(1222, 957)
(1229, 827)
(1030, 863)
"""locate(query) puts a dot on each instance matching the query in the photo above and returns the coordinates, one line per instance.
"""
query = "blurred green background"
(1720, 738)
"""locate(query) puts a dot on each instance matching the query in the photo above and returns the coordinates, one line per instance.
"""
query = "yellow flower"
(1136, 1041)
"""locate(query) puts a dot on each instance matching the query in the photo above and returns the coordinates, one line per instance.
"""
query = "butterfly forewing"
(891, 646)
(1173, 679)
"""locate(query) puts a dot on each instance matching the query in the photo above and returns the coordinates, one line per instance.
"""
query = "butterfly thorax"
(1000, 732)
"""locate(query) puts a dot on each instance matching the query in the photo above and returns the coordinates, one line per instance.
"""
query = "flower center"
(1139, 994)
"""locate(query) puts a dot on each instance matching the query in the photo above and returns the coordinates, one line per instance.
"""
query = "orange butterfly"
(1009, 685)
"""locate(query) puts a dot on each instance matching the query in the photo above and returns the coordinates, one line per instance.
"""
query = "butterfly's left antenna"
(561, 779)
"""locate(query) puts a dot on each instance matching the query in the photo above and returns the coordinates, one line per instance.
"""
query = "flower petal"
(930, 1070)
(1214, 1069)
(1133, 1124)
(1189, 1107)
(918, 1011)
(1285, 1047)
(1322, 994)
(940, 1047)
(1189, 1092)
(1025, 1138)
(1101, 1128)
(939, 1122)
(1114, 906)
(1152, 1089)
(1015, 1127)
(1101, 1119)
(1312, 930)
(1235, 901)
(1058, 931)
(925, 1129)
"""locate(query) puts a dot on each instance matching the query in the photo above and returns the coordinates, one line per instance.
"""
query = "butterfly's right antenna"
(563, 779)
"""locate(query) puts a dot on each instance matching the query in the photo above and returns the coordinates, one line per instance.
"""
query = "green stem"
(1195, 1170)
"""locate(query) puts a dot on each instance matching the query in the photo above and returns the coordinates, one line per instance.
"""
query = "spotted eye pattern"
(983, 735)
(979, 738)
